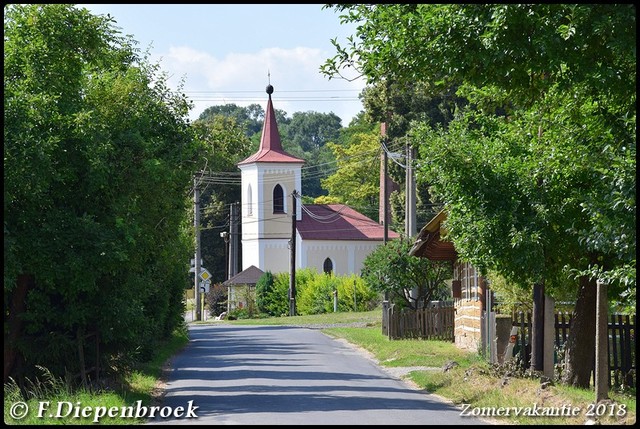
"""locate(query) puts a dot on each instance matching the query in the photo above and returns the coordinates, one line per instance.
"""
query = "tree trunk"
(14, 322)
(581, 343)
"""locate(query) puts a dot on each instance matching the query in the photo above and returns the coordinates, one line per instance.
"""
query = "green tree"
(250, 118)
(98, 156)
(264, 288)
(391, 269)
(356, 181)
(521, 171)
(224, 145)
(312, 130)
(217, 299)
(306, 137)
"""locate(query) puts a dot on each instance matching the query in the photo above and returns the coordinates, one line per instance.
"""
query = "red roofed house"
(331, 238)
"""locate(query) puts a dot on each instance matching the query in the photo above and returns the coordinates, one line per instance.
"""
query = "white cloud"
(241, 78)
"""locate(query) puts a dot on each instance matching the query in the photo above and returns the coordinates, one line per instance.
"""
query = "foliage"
(306, 136)
(541, 70)
(356, 181)
(249, 118)
(314, 293)
(224, 145)
(312, 130)
(354, 294)
(264, 286)
(512, 298)
(316, 296)
(98, 157)
(537, 173)
(391, 269)
(279, 296)
(248, 296)
(217, 299)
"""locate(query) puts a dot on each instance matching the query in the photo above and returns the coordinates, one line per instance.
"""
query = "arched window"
(327, 267)
(278, 199)
(249, 201)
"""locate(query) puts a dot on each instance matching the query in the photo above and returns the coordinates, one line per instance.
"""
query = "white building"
(329, 238)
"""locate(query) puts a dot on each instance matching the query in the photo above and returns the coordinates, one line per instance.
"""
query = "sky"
(229, 53)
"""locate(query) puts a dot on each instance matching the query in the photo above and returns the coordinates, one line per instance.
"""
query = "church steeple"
(268, 179)
(270, 145)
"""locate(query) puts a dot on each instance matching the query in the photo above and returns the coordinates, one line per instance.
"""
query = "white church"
(330, 238)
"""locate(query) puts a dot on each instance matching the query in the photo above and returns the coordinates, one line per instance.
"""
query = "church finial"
(269, 87)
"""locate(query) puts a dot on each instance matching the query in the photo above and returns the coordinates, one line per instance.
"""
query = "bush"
(316, 296)
(279, 297)
(217, 299)
(366, 299)
(264, 292)
(238, 313)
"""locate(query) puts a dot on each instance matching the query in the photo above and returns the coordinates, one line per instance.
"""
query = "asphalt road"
(278, 375)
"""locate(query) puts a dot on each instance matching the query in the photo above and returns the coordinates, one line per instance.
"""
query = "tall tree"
(306, 135)
(521, 170)
(250, 117)
(391, 269)
(225, 143)
(356, 180)
(98, 155)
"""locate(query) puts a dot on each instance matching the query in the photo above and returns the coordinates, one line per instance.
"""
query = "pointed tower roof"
(270, 147)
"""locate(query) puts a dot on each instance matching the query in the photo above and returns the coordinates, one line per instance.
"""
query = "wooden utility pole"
(196, 225)
(385, 220)
(385, 193)
(233, 239)
(410, 196)
(292, 263)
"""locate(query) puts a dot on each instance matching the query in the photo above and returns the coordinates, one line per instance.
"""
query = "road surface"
(279, 375)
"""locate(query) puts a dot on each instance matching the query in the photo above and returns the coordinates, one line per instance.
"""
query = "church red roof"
(270, 146)
(338, 222)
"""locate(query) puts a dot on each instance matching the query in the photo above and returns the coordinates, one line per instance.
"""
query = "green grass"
(473, 381)
(371, 318)
(397, 353)
(139, 385)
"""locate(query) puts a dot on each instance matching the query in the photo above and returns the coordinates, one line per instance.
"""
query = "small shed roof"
(250, 276)
(429, 243)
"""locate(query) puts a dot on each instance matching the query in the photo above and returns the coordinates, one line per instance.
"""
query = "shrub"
(316, 297)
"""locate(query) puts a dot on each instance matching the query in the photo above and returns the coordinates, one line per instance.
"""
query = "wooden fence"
(621, 343)
(434, 323)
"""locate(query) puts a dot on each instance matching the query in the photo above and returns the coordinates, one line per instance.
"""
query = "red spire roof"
(270, 146)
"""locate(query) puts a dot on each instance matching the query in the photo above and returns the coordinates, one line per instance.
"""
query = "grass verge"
(50, 401)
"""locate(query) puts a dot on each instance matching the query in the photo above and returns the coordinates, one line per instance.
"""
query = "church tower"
(268, 179)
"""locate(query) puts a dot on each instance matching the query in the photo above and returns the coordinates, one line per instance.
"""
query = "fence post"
(549, 333)
(602, 335)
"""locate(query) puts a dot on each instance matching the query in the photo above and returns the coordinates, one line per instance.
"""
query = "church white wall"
(250, 212)
(251, 254)
(276, 255)
(347, 256)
